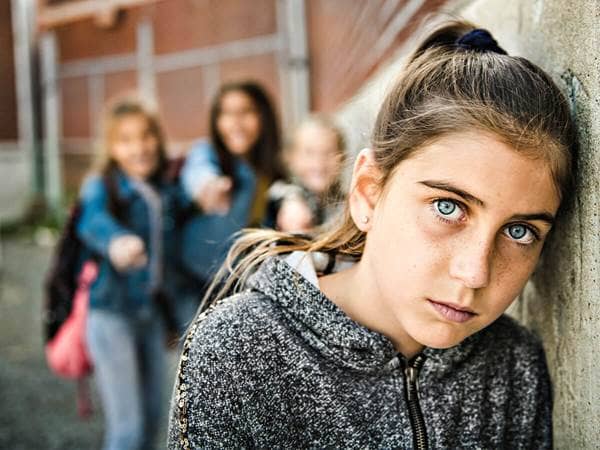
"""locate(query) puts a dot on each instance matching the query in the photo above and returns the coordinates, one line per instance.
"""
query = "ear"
(365, 189)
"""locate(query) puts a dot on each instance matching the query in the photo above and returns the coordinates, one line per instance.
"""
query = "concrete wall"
(562, 302)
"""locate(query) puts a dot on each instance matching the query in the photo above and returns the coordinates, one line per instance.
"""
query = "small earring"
(365, 219)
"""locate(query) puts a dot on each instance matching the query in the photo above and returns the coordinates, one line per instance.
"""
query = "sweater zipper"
(411, 374)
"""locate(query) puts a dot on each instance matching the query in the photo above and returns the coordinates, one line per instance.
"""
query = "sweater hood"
(291, 283)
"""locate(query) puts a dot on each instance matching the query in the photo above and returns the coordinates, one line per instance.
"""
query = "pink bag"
(66, 353)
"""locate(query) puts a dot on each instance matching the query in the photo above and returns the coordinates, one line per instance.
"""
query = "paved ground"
(37, 410)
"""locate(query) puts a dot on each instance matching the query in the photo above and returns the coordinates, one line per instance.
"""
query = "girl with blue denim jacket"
(228, 178)
(128, 221)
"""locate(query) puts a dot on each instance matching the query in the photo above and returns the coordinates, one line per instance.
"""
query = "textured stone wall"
(562, 302)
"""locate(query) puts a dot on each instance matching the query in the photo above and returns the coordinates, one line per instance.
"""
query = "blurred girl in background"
(228, 178)
(314, 163)
(128, 222)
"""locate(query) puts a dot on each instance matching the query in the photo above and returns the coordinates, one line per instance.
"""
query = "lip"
(452, 312)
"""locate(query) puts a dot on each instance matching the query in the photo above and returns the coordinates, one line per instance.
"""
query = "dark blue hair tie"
(479, 40)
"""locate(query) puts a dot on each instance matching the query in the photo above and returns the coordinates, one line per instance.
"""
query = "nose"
(471, 263)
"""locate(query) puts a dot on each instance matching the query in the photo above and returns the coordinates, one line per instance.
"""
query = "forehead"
(236, 99)
(487, 168)
(130, 122)
(315, 135)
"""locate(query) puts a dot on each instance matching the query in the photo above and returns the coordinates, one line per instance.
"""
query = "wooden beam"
(182, 59)
(54, 16)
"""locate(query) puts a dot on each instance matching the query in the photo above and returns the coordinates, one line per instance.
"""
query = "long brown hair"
(263, 154)
(444, 88)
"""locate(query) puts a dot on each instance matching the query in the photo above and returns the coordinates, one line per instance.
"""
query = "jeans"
(128, 354)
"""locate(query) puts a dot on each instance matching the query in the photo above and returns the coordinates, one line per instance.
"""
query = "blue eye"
(445, 207)
(520, 233)
(517, 231)
(447, 210)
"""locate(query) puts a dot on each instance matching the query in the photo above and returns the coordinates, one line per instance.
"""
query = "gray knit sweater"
(281, 366)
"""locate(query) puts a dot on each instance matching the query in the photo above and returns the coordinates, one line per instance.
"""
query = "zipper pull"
(411, 376)
(411, 371)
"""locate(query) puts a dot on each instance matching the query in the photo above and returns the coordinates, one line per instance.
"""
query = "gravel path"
(37, 409)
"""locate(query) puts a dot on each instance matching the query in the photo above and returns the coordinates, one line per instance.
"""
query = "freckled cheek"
(432, 228)
(420, 243)
(439, 237)
(511, 270)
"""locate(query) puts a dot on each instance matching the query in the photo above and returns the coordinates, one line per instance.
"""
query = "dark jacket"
(281, 366)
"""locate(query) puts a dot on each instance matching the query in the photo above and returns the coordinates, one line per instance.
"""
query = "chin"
(239, 149)
(442, 344)
(441, 338)
(145, 173)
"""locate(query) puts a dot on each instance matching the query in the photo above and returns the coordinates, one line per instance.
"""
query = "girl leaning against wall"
(388, 331)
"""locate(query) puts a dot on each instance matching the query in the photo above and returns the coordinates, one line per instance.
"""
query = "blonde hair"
(117, 109)
(444, 88)
(319, 120)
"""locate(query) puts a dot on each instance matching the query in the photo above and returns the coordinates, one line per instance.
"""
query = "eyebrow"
(543, 216)
(445, 186)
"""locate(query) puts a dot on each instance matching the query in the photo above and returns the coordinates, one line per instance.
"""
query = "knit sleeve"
(531, 419)
(205, 410)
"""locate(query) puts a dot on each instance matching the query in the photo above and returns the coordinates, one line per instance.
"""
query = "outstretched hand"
(215, 196)
(127, 252)
(294, 216)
